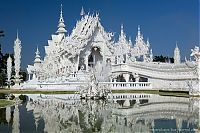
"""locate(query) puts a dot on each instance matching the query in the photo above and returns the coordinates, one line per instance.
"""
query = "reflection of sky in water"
(150, 113)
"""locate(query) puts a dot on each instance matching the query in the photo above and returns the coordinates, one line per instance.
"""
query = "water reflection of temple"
(121, 113)
(133, 113)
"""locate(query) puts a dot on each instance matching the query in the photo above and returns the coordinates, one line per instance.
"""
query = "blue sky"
(163, 21)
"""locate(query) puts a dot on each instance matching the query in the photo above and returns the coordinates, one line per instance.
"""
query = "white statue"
(17, 57)
(9, 70)
(196, 54)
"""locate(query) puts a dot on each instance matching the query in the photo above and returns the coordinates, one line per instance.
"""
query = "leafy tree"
(162, 58)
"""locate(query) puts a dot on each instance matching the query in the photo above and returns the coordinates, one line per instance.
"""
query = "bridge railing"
(75, 86)
(128, 85)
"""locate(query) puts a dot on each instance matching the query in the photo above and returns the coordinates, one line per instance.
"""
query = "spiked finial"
(122, 36)
(122, 29)
(37, 56)
(138, 30)
(177, 57)
(61, 25)
(176, 44)
(82, 13)
(148, 44)
(37, 51)
(130, 42)
(17, 34)
(17, 38)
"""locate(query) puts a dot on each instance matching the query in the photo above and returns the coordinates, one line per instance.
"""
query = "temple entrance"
(95, 57)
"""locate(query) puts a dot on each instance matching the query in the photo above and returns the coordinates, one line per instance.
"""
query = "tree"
(162, 58)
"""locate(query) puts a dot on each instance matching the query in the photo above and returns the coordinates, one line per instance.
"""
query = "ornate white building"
(69, 58)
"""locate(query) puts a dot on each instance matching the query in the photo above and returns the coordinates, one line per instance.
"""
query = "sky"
(164, 22)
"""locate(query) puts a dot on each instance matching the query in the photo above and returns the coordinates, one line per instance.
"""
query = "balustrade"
(128, 85)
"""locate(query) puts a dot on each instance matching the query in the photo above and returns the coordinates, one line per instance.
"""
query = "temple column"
(127, 103)
(94, 60)
(126, 76)
(137, 79)
(136, 76)
(113, 60)
(110, 79)
(137, 101)
(29, 77)
(126, 59)
(34, 77)
(77, 62)
(86, 63)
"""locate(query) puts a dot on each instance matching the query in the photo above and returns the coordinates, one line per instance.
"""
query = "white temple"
(69, 59)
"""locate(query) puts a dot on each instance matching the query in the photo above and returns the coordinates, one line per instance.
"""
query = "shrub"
(2, 96)
(23, 98)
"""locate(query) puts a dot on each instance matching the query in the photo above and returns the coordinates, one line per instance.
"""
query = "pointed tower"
(139, 33)
(151, 55)
(122, 36)
(130, 42)
(61, 25)
(148, 44)
(17, 61)
(139, 36)
(177, 57)
(82, 13)
(9, 70)
(37, 60)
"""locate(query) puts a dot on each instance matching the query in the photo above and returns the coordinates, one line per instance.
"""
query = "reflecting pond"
(121, 113)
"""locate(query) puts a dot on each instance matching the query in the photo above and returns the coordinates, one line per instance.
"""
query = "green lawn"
(160, 92)
(5, 102)
(35, 91)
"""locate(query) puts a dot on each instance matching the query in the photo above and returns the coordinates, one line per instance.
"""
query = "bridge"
(161, 75)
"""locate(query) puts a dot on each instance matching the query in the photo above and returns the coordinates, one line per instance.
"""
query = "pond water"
(121, 113)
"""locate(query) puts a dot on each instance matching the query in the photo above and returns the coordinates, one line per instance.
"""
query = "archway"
(94, 57)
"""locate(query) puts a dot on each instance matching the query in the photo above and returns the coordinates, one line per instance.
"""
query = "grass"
(174, 93)
(160, 92)
(35, 91)
(5, 102)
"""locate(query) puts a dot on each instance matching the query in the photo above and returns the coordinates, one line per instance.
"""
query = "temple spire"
(139, 30)
(17, 37)
(37, 51)
(177, 57)
(130, 42)
(148, 44)
(17, 34)
(122, 36)
(61, 25)
(122, 30)
(177, 45)
(37, 56)
(82, 13)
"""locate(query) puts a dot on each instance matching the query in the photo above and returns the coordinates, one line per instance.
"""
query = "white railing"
(128, 85)
(75, 86)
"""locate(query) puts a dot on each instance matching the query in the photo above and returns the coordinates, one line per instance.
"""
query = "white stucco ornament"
(196, 54)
